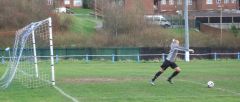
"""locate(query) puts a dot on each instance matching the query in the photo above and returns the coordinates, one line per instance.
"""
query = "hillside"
(81, 31)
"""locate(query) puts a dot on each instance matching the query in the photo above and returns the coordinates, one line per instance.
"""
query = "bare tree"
(119, 19)
(17, 13)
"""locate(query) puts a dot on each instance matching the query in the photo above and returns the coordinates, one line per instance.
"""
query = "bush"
(119, 20)
(87, 3)
(18, 13)
(6, 38)
(234, 30)
(65, 22)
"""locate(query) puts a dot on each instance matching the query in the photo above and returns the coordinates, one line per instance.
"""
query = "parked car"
(61, 10)
(157, 20)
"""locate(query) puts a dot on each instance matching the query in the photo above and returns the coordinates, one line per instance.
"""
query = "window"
(209, 2)
(119, 2)
(77, 2)
(189, 2)
(171, 2)
(234, 1)
(179, 2)
(218, 1)
(50, 2)
(163, 2)
(226, 1)
(66, 2)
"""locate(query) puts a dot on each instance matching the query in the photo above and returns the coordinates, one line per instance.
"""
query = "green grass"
(82, 22)
(179, 32)
(81, 10)
(128, 82)
(83, 25)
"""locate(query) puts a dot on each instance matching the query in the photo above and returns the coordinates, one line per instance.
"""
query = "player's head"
(175, 41)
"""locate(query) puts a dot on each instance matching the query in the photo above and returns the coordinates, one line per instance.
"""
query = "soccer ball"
(210, 84)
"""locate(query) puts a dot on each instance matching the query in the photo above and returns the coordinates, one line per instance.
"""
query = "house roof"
(215, 14)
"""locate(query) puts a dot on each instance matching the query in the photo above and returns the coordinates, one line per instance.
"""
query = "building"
(71, 3)
(146, 5)
(172, 6)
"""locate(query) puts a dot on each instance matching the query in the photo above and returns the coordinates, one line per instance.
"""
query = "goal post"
(51, 51)
(26, 65)
(34, 52)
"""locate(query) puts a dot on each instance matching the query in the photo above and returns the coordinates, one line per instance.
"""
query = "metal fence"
(131, 54)
(135, 57)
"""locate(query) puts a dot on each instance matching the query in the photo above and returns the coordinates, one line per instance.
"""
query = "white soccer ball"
(7, 49)
(210, 84)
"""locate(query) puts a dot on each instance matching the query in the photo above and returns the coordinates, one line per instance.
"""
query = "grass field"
(128, 82)
(83, 22)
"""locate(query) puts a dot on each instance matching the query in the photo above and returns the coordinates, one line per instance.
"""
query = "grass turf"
(128, 82)
(83, 22)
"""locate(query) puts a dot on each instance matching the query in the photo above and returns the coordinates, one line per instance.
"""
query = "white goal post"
(25, 65)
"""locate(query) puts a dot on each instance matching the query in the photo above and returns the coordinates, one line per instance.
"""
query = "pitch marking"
(65, 94)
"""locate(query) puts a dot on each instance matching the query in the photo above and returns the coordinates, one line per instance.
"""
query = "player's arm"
(180, 48)
(183, 49)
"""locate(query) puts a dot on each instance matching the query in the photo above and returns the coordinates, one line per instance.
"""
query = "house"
(66, 3)
(171, 6)
(146, 5)
(210, 12)
(71, 3)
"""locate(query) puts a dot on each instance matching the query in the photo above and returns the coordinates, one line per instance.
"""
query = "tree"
(87, 3)
(17, 13)
(235, 31)
(121, 20)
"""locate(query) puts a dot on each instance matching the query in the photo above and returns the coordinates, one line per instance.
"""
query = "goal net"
(26, 67)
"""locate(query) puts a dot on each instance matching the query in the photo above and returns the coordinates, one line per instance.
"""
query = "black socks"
(170, 78)
(173, 75)
(157, 75)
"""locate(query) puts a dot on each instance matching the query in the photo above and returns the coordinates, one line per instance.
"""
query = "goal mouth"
(25, 64)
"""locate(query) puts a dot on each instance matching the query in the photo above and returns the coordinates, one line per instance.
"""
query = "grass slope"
(83, 22)
(128, 82)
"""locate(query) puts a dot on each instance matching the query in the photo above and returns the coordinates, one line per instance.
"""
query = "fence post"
(86, 57)
(138, 58)
(163, 56)
(57, 58)
(238, 55)
(215, 56)
(113, 58)
(3, 61)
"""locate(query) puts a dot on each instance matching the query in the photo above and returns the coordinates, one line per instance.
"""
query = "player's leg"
(175, 73)
(158, 74)
(163, 67)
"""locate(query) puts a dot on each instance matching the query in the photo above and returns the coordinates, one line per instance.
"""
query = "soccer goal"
(26, 67)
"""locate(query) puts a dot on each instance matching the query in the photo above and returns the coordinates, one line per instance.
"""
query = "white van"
(157, 20)
(61, 10)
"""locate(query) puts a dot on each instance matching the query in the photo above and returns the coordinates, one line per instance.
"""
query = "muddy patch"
(97, 80)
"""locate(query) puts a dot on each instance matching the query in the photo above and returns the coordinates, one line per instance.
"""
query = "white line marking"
(65, 94)
(221, 89)
(152, 97)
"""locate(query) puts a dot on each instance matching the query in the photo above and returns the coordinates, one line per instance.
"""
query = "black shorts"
(167, 64)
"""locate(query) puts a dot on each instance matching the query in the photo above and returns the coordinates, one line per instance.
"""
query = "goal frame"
(22, 36)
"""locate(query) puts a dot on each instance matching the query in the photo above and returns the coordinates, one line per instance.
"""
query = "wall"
(224, 25)
(196, 5)
(147, 5)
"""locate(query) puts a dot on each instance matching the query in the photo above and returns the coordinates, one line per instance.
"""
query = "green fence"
(93, 53)
(134, 54)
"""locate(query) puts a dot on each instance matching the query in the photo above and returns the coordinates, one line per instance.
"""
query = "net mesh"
(25, 66)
